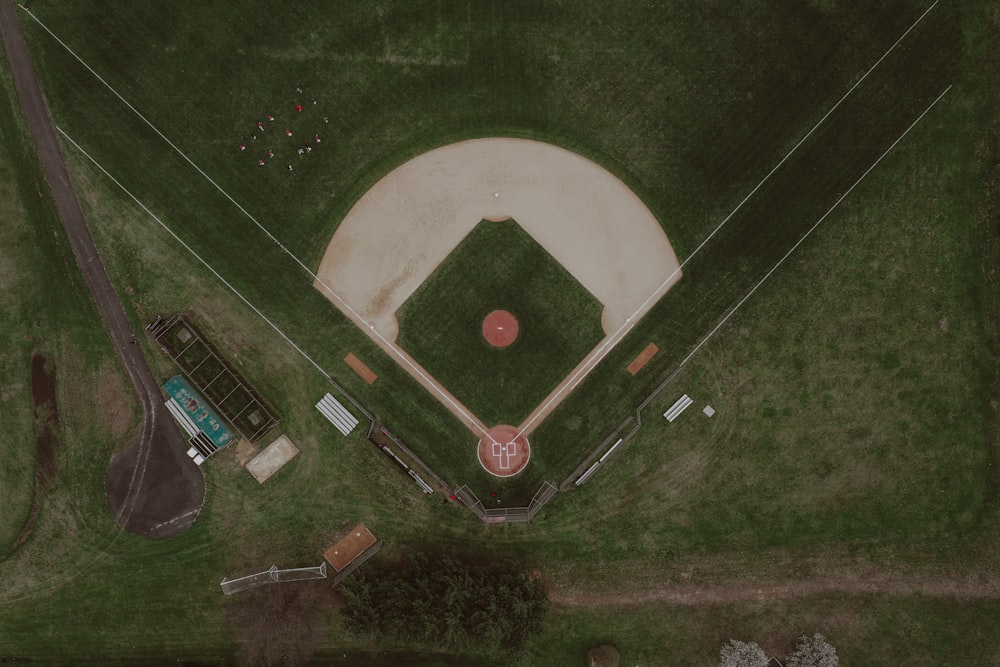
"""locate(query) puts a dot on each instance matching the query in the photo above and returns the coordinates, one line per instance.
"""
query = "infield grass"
(498, 266)
(854, 390)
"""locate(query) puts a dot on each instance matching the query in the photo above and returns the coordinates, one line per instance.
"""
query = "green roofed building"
(208, 432)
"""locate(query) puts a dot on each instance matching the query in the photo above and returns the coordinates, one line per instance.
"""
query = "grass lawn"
(17, 475)
(864, 632)
(47, 310)
(849, 389)
(692, 148)
(499, 267)
(855, 390)
(758, 236)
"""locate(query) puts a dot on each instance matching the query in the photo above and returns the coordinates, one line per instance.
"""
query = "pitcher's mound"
(506, 453)
(500, 328)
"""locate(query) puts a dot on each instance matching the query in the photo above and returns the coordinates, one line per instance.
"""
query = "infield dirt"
(411, 220)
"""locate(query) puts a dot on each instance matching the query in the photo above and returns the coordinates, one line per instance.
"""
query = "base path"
(398, 233)
(153, 488)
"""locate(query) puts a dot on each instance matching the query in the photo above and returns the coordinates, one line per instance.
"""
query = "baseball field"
(818, 185)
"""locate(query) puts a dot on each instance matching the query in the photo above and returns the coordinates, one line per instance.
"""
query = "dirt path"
(153, 489)
(43, 394)
(968, 588)
(776, 582)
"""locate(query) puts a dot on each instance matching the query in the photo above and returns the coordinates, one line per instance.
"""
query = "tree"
(813, 652)
(742, 654)
(442, 602)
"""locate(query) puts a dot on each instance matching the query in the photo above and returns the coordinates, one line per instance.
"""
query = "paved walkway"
(153, 488)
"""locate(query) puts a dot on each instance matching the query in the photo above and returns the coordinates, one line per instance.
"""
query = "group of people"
(303, 149)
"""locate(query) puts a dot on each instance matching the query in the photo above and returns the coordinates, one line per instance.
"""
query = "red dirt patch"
(360, 368)
(506, 453)
(349, 547)
(500, 328)
(643, 358)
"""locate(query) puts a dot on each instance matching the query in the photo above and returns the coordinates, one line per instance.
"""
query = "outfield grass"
(849, 389)
(853, 390)
(498, 266)
(399, 95)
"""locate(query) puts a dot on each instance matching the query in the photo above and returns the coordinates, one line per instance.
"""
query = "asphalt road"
(153, 488)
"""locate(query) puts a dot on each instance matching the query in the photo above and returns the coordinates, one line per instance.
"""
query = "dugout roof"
(352, 545)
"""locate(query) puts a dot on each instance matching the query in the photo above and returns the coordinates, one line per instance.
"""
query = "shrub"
(441, 601)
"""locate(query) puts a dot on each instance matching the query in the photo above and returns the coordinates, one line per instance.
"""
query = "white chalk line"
(429, 382)
(810, 231)
(195, 254)
(606, 346)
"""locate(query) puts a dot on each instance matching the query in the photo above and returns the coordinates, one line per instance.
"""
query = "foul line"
(629, 323)
(673, 374)
(195, 254)
(604, 348)
(811, 229)
(430, 383)
(677, 369)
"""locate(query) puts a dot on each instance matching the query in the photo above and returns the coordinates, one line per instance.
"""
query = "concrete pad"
(274, 456)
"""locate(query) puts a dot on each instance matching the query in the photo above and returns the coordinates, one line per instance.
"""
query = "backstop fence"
(506, 514)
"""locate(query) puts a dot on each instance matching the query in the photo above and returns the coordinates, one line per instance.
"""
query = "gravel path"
(153, 488)
(717, 580)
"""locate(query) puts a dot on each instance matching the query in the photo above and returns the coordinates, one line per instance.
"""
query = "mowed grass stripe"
(774, 219)
(818, 397)
(498, 266)
(482, 112)
(207, 223)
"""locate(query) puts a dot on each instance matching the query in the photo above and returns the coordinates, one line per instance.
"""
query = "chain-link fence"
(506, 514)
(272, 576)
